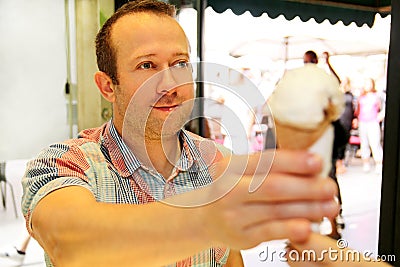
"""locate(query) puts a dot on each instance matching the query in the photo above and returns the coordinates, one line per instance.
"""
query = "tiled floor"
(361, 200)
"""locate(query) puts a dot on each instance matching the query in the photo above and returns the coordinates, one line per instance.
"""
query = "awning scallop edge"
(305, 10)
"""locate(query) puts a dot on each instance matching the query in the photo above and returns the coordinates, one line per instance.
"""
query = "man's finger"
(282, 187)
(259, 165)
(297, 162)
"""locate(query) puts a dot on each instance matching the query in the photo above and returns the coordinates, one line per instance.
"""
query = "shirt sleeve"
(58, 166)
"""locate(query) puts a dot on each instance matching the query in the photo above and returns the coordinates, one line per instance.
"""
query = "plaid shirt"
(100, 161)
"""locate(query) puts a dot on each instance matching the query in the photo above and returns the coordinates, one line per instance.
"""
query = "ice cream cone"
(304, 104)
(291, 137)
(318, 140)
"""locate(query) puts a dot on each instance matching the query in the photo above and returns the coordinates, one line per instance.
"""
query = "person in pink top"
(369, 115)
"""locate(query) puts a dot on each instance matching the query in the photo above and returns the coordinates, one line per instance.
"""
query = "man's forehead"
(140, 20)
(143, 25)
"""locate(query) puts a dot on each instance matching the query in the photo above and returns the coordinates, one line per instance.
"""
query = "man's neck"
(164, 154)
(160, 154)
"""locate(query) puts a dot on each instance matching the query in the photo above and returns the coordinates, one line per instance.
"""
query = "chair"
(3, 188)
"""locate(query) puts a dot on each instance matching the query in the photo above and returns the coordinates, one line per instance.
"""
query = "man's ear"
(105, 85)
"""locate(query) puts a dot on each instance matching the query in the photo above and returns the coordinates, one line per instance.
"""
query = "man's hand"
(288, 197)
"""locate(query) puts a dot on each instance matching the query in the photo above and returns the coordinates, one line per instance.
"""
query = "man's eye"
(181, 64)
(146, 65)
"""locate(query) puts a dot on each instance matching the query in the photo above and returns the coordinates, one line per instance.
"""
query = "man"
(117, 195)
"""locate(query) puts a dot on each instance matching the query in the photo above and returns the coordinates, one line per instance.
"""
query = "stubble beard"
(140, 121)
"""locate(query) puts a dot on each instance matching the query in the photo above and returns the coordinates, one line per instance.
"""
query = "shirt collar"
(121, 156)
(199, 152)
(127, 163)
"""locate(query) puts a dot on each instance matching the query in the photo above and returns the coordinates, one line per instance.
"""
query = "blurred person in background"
(16, 254)
(345, 120)
(369, 115)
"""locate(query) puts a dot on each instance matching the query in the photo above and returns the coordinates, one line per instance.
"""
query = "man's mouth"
(168, 108)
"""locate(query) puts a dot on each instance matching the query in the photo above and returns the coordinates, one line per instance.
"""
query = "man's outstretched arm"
(75, 230)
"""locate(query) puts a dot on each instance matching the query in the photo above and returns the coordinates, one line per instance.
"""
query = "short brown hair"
(105, 51)
(310, 57)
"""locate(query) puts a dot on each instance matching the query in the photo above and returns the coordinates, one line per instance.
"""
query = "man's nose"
(167, 81)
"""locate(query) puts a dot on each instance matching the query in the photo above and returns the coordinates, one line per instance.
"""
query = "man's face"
(155, 83)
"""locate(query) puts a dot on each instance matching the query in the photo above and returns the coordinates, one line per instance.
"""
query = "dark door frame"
(389, 226)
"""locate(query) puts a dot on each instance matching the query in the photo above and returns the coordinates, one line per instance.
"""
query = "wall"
(32, 76)
(90, 103)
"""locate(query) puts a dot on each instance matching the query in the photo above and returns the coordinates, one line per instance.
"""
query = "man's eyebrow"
(144, 56)
(152, 55)
(181, 54)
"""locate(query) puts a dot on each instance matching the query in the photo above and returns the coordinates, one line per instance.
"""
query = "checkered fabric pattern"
(101, 162)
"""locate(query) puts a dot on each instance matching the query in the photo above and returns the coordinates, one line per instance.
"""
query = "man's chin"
(162, 128)
(154, 126)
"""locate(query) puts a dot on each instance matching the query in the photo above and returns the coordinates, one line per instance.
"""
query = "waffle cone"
(291, 137)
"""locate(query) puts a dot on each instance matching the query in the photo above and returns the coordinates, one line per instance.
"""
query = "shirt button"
(168, 190)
